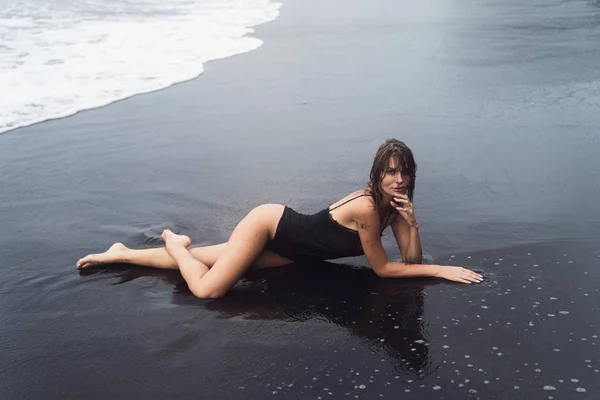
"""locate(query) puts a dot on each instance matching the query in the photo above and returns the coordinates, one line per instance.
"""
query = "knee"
(207, 293)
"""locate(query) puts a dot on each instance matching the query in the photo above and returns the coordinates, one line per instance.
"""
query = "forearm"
(414, 253)
(406, 270)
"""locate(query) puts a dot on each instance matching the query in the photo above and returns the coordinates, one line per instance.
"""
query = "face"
(394, 182)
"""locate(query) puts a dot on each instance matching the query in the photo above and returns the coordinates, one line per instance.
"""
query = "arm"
(368, 230)
(406, 230)
(408, 240)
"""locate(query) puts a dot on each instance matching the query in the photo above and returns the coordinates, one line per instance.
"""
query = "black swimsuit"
(301, 237)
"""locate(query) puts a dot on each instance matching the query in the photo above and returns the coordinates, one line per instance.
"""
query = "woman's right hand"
(459, 274)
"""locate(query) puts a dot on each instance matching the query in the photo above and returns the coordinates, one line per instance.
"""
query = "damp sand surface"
(499, 102)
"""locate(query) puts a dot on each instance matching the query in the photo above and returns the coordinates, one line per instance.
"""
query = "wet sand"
(499, 102)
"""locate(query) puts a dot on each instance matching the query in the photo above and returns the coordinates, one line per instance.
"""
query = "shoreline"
(67, 114)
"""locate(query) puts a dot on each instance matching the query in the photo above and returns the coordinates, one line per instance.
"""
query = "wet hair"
(402, 155)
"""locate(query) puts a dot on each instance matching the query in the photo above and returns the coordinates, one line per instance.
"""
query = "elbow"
(382, 271)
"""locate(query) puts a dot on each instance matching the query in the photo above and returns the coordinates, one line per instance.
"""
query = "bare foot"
(174, 241)
(112, 255)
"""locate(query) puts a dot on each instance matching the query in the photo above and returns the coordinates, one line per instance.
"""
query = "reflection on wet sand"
(386, 313)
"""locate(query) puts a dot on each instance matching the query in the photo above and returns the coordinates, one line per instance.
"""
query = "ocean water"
(58, 57)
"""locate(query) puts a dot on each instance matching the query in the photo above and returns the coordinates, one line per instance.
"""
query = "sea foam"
(58, 58)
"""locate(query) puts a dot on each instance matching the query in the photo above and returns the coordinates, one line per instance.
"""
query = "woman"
(274, 235)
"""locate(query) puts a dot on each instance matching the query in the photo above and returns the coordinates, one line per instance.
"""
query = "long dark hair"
(403, 156)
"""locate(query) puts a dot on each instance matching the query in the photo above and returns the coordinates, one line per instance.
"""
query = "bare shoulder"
(365, 214)
(365, 206)
(359, 201)
(349, 197)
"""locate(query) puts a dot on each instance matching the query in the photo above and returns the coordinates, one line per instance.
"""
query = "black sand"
(500, 103)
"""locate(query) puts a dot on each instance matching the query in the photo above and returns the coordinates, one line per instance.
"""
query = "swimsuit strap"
(347, 201)
(361, 195)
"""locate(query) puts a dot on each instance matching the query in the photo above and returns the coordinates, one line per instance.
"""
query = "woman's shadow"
(386, 313)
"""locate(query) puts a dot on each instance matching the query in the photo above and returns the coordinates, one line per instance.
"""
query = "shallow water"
(498, 101)
(58, 57)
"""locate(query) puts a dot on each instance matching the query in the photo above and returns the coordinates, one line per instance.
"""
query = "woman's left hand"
(406, 210)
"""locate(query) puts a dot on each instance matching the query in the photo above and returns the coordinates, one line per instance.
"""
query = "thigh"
(245, 245)
(269, 259)
(208, 255)
(267, 215)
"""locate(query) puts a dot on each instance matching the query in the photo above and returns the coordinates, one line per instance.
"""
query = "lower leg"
(155, 258)
(190, 267)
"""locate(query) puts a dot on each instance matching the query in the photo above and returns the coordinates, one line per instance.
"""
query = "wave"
(56, 61)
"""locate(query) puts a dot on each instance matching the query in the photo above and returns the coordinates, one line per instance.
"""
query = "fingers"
(473, 275)
(464, 275)
(399, 209)
(462, 280)
(470, 276)
(400, 200)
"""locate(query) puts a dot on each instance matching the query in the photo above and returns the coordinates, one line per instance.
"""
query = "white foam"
(57, 58)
